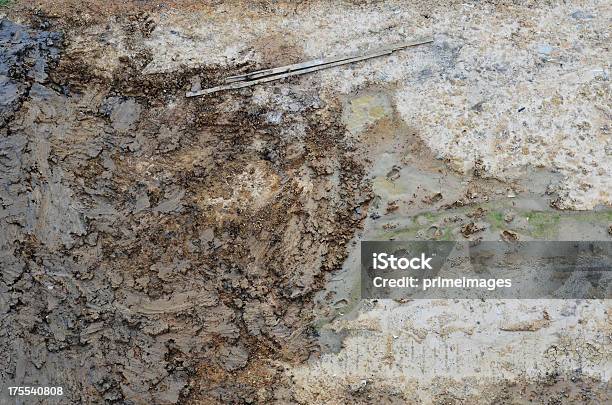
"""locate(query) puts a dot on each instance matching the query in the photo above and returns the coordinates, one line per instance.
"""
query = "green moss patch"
(543, 224)
(496, 219)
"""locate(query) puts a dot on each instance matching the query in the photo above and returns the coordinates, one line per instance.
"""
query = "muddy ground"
(157, 249)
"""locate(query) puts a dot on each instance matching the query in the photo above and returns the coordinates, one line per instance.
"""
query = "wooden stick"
(268, 75)
(319, 62)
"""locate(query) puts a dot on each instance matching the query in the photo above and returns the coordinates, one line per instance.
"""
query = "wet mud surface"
(27, 55)
(157, 249)
(163, 250)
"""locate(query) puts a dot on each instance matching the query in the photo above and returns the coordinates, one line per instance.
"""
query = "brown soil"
(163, 257)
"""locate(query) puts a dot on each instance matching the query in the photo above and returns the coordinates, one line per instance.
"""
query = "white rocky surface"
(513, 85)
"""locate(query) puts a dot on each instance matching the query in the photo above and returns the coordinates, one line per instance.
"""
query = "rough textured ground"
(158, 249)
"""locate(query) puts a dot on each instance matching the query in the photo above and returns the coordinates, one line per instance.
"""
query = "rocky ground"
(158, 249)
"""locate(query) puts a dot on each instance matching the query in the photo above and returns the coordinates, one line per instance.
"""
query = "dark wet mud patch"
(160, 249)
(26, 57)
